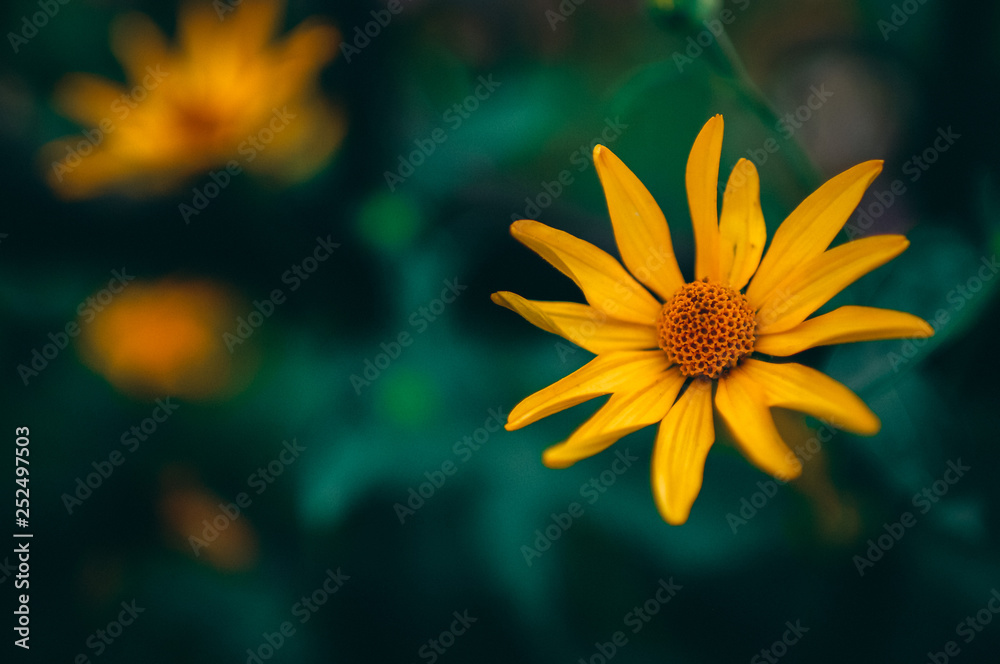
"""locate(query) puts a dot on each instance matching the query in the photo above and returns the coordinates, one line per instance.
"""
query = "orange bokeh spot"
(163, 338)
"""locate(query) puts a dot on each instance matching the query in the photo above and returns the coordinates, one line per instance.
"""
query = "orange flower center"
(706, 328)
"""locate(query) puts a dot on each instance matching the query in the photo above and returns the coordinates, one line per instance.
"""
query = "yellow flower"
(223, 95)
(702, 333)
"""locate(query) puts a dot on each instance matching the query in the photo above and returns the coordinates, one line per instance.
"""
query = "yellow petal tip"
(553, 459)
(873, 427)
(523, 227)
(872, 165)
(675, 520)
(674, 515)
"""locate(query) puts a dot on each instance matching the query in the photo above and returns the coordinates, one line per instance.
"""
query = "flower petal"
(199, 33)
(303, 146)
(682, 444)
(604, 282)
(105, 169)
(743, 407)
(812, 392)
(702, 180)
(602, 375)
(844, 325)
(813, 284)
(742, 231)
(811, 227)
(645, 402)
(585, 326)
(641, 230)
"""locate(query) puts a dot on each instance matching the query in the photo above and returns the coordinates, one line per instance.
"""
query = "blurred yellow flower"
(163, 338)
(224, 96)
(702, 333)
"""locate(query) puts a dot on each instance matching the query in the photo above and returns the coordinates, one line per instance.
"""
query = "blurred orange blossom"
(163, 338)
(224, 94)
